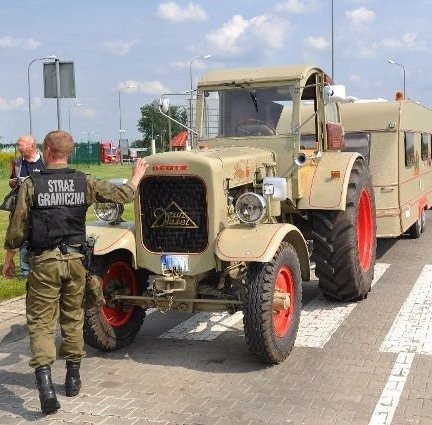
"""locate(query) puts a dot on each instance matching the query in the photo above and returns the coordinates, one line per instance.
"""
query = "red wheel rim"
(125, 283)
(365, 230)
(284, 284)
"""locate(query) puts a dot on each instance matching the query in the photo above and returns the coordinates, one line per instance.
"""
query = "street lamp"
(191, 91)
(403, 68)
(70, 107)
(28, 85)
(332, 40)
(119, 103)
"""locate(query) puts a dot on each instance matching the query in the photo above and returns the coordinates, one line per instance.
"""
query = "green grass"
(10, 288)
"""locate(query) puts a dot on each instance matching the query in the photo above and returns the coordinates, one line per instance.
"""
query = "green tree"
(152, 124)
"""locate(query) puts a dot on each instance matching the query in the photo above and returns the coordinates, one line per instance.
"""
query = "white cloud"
(85, 112)
(8, 42)
(199, 64)
(11, 105)
(240, 34)
(119, 47)
(228, 36)
(360, 17)
(175, 13)
(318, 43)
(154, 87)
(406, 41)
(355, 78)
(296, 7)
(36, 102)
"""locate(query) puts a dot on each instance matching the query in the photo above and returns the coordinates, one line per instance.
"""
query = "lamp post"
(119, 103)
(403, 69)
(70, 107)
(332, 40)
(28, 86)
(191, 91)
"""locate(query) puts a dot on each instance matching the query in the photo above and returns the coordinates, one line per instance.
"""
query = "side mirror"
(336, 93)
(164, 105)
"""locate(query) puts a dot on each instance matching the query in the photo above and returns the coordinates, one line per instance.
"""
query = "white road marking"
(410, 333)
(204, 326)
(319, 320)
(412, 329)
(386, 406)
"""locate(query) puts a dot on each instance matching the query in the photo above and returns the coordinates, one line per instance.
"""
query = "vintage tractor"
(228, 225)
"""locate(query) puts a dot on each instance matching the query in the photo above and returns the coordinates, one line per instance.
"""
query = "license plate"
(175, 263)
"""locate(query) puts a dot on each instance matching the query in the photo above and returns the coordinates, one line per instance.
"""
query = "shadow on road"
(13, 403)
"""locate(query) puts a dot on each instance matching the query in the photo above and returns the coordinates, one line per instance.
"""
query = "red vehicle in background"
(109, 154)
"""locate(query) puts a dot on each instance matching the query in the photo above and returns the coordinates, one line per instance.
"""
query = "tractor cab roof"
(261, 75)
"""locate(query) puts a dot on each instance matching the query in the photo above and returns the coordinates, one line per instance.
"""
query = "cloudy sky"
(150, 44)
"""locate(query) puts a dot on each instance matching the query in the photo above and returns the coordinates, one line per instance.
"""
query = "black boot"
(47, 395)
(73, 381)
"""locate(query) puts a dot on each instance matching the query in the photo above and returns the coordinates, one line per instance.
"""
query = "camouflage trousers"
(55, 289)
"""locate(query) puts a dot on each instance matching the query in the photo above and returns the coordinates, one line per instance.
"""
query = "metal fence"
(86, 153)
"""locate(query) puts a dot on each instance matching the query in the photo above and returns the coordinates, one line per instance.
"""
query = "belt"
(70, 249)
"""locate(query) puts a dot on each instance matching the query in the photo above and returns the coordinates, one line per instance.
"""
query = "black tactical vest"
(59, 208)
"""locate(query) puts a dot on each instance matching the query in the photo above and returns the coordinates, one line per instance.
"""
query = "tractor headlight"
(250, 207)
(108, 211)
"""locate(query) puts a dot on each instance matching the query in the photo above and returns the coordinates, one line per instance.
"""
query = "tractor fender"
(111, 238)
(260, 243)
(328, 183)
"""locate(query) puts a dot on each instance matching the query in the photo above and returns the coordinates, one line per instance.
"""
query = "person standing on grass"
(29, 162)
(50, 214)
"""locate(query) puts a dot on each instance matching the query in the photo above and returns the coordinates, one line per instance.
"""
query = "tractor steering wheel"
(254, 127)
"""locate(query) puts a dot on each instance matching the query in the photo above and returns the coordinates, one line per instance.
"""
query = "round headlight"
(250, 207)
(108, 211)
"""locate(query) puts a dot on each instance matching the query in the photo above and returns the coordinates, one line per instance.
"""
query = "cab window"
(409, 148)
(425, 140)
(358, 142)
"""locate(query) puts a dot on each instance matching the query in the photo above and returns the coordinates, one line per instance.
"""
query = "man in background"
(30, 160)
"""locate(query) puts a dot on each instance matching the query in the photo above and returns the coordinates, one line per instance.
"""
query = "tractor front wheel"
(115, 324)
(272, 305)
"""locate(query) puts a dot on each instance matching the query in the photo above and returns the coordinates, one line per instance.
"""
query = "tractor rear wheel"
(345, 241)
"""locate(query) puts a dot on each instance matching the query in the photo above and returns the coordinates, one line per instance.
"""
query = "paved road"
(353, 363)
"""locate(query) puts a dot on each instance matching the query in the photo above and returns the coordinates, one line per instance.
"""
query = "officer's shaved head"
(60, 144)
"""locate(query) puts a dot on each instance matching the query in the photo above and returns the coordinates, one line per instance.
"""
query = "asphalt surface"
(353, 363)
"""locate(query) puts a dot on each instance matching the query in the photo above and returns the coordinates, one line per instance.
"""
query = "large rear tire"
(114, 326)
(345, 241)
(271, 330)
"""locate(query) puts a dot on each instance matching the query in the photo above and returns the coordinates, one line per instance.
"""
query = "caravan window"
(409, 148)
(425, 146)
(358, 142)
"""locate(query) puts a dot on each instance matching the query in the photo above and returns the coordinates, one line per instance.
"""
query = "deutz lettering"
(170, 167)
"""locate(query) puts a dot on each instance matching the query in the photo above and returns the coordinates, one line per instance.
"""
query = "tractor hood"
(237, 165)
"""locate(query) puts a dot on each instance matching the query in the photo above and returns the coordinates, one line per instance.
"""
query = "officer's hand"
(13, 182)
(9, 266)
(139, 170)
(8, 269)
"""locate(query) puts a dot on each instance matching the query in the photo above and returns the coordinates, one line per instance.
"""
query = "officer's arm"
(105, 191)
(18, 229)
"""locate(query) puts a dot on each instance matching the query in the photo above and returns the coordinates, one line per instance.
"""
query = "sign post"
(59, 82)
(124, 148)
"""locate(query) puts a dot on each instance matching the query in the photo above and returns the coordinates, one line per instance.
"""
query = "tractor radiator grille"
(174, 214)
